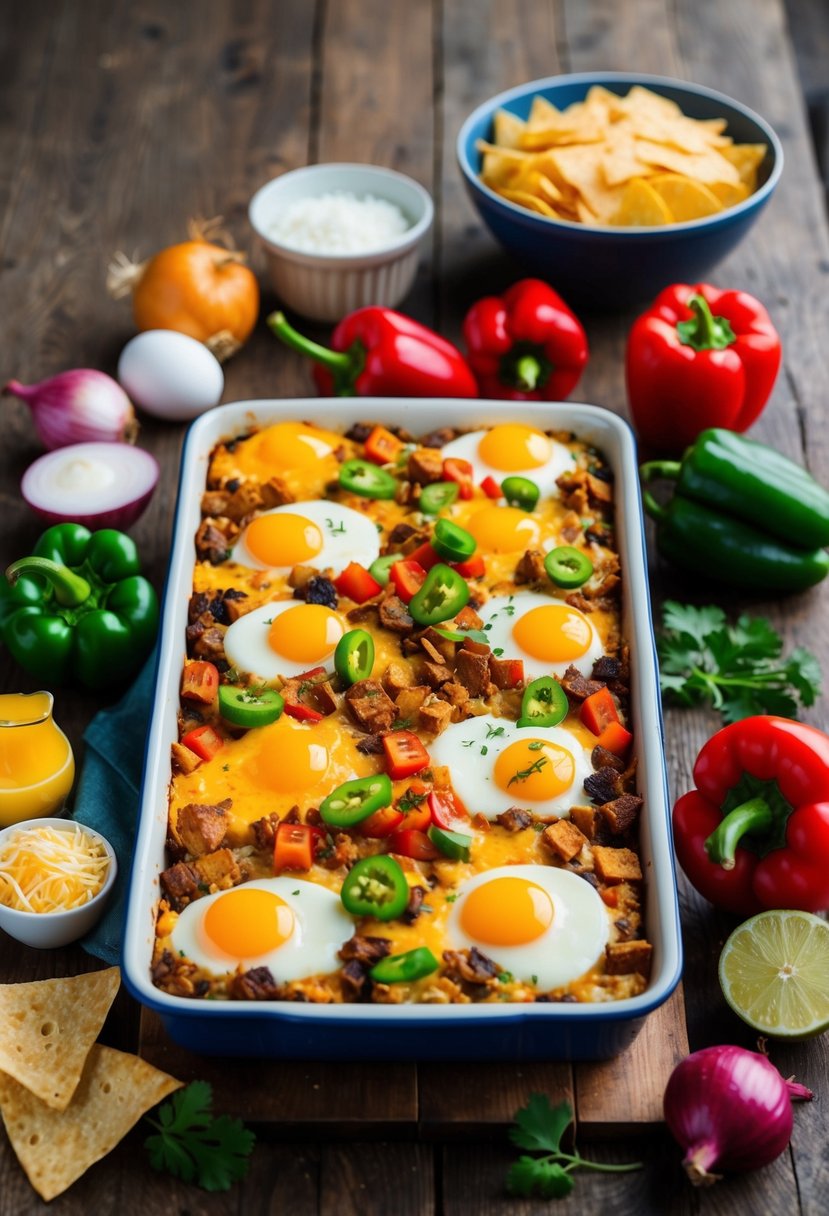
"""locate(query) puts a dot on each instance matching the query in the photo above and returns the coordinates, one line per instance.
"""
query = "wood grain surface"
(119, 119)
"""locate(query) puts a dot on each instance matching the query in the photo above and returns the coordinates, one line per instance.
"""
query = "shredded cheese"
(339, 222)
(51, 870)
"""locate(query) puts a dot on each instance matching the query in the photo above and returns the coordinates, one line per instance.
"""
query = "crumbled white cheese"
(339, 222)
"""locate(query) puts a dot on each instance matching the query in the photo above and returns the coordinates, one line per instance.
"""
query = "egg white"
(321, 926)
(501, 613)
(560, 460)
(566, 950)
(347, 536)
(470, 749)
(247, 648)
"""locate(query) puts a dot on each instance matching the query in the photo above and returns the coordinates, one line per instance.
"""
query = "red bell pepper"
(699, 357)
(599, 710)
(200, 682)
(425, 556)
(473, 567)
(410, 843)
(204, 741)
(405, 754)
(407, 577)
(447, 812)
(382, 446)
(382, 823)
(460, 471)
(298, 696)
(294, 846)
(381, 353)
(525, 345)
(356, 582)
(491, 487)
(754, 834)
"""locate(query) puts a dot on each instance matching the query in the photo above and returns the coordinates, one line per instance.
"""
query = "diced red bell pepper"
(204, 741)
(425, 556)
(411, 843)
(408, 577)
(302, 713)
(414, 805)
(293, 846)
(447, 811)
(461, 471)
(382, 446)
(405, 754)
(473, 567)
(491, 488)
(599, 710)
(296, 708)
(200, 682)
(616, 738)
(382, 823)
(356, 582)
(511, 672)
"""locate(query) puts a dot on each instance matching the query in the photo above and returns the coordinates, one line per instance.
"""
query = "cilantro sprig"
(193, 1145)
(538, 1128)
(738, 669)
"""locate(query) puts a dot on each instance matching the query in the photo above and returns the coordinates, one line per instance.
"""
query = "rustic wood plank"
(467, 1101)
(377, 1178)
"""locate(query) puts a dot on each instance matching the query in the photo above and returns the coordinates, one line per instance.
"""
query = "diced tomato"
(616, 738)
(408, 577)
(599, 710)
(204, 741)
(425, 556)
(447, 811)
(473, 567)
(382, 823)
(414, 844)
(356, 582)
(293, 846)
(414, 805)
(200, 682)
(295, 707)
(405, 754)
(461, 471)
(610, 896)
(491, 488)
(302, 713)
(382, 446)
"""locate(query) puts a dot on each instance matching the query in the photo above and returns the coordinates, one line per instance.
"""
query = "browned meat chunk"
(210, 643)
(343, 852)
(564, 839)
(325, 698)
(371, 745)
(396, 677)
(573, 486)
(236, 606)
(515, 819)
(571, 528)
(530, 568)
(425, 465)
(502, 671)
(173, 974)
(442, 647)
(211, 544)
(599, 491)
(180, 884)
(394, 615)
(576, 686)
(202, 827)
(364, 612)
(275, 493)
(607, 668)
(257, 984)
(318, 590)
(604, 785)
(440, 437)
(360, 431)
(623, 958)
(586, 819)
(399, 533)
(354, 979)
(472, 670)
(243, 501)
(469, 966)
(219, 869)
(364, 949)
(371, 707)
(264, 832)
(621, 812)
(437, 674)
(416, 898)
(213, 502)
(455, 693)
(184, 760)
(616, 865)
(313, 691)
(468, 618)
(600, 757)
(576, 600)
(435, 716)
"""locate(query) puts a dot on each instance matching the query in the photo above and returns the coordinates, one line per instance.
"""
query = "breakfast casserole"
(403, 770)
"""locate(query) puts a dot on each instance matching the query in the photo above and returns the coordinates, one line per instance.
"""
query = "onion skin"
(730, 1108)
(78, 406)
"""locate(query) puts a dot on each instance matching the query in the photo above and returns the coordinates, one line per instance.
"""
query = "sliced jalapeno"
(375, 886)
(442, 596)
(363, 477)
(381, 567)
(453, 543)
(544, 703)
(521, 492)
(568, 567)
(354, 656)
(405, 968)
(460, 635)
(355, 800)
(451, 844)
(249, 707)
(440, 494)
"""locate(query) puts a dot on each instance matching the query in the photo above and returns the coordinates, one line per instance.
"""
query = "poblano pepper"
(78, 609)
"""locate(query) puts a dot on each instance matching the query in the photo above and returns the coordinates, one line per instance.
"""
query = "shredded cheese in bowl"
(46, 869)
(339, 222)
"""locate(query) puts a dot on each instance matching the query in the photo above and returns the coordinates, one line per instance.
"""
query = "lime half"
(774, 973)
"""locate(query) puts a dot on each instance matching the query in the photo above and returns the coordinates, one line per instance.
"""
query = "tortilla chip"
(728, 194)
(705, 167)
(686, 199)
(56, 1147)
(542, 113)
(581, 168)
(642, 207)
(507, 128)
(746, 159)
(524, 199)
(49, 1027)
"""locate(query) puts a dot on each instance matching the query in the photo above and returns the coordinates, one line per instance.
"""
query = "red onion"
(81, 406)
(100, 485)
(730, 1108)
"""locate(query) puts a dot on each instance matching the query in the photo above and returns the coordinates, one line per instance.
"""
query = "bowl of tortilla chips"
(613, 185)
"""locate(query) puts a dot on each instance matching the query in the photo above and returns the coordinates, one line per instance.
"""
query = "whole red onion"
(79, 406)
(731, 1108)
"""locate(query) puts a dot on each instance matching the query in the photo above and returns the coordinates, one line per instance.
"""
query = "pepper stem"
(525, 367)
(70, 589)
(653, 508)
(752, 816)
(705, 331)
(527, 373)
(345, 366)
(669, 469)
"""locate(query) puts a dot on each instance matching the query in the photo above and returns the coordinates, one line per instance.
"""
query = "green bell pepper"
(78, 610)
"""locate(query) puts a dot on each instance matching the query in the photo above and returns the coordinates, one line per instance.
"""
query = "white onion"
(100, 485)
(79, 406)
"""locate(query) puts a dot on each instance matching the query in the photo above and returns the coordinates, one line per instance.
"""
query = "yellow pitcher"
(37, 767)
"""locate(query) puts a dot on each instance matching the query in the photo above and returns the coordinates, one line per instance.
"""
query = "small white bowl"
(46, 930)
(327, 286)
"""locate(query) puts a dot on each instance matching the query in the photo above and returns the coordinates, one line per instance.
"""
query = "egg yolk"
(290, 760)
(283, 540)
(305, 634)
(554, 633)
(289, 446)
(507, 912)
(514, 448)
(504, 529)
(534, 770)
(247, 922)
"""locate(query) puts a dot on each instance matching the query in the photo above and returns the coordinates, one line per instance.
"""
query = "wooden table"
(119, 121)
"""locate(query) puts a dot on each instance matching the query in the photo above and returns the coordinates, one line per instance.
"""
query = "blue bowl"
(603, 268)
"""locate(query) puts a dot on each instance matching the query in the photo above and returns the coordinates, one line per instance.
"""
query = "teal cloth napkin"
(108, 795)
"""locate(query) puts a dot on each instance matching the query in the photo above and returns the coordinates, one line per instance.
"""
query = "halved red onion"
(100, 485)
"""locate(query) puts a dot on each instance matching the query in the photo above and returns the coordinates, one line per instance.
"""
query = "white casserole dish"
(507, 1031)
